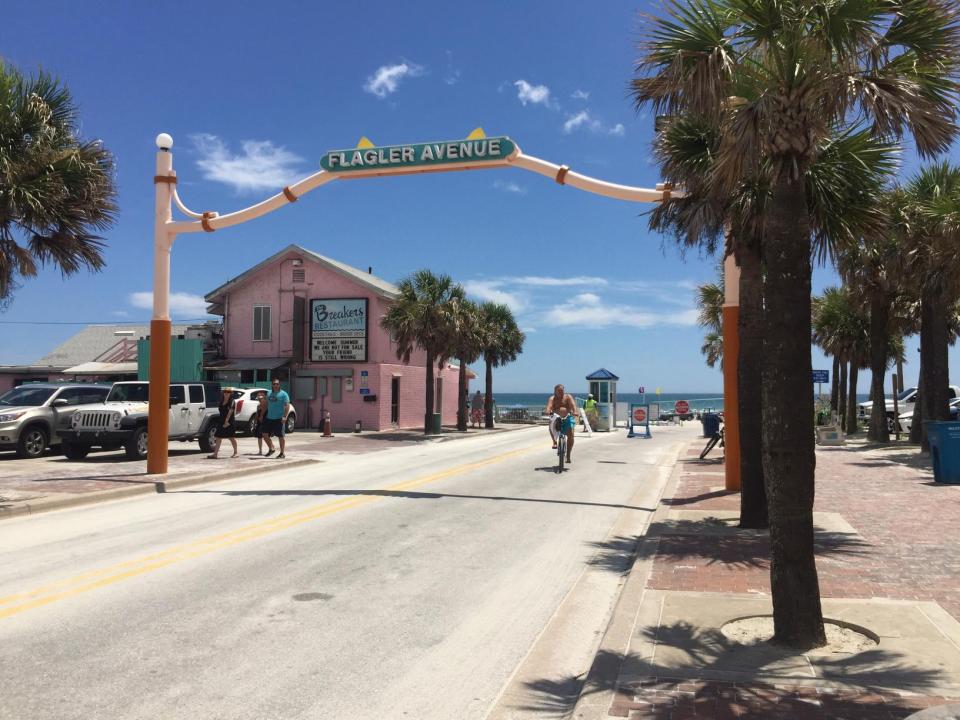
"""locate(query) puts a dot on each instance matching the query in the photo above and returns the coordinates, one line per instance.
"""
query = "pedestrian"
(225, 428)
(278, 407)
(476, 409)
(261, 418)
(590, 410)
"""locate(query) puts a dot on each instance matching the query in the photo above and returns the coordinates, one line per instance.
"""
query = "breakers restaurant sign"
(338, 330)
(367, 159)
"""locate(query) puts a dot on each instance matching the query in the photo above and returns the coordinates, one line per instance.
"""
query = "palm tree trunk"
(843, 399)
(835, 388)
(916, 427)
(753, 494)
(428, 402)
(462, 398)
(879, 325)
(934, 334)
(488, 402)
(789, 459)
(852, 401)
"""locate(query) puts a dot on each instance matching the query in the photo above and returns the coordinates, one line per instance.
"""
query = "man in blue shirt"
(278, 407)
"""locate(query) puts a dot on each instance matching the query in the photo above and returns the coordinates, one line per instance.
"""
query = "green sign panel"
(426, 155)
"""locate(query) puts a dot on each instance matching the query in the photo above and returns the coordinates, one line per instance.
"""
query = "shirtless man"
(557, 400)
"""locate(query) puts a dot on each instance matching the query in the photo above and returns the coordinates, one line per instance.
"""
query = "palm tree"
(709, 300)
(929, 214)
(842, 329)
(468, 342)
(503, 342)
(797, 70)
(56, 190)
(841, 185)
(422, 317)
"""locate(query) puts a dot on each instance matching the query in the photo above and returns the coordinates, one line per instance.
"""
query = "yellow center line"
(94, 579)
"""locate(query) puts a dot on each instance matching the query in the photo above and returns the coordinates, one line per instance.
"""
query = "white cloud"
(452, 74)
(510, 186)
(261, 166)
(580, 95)
(533, 94)
(491, 290)
(589, 311)
(182, 304)
(583, 119)
(575, 121)
(386, 79)
(545, 281)
(121, 313)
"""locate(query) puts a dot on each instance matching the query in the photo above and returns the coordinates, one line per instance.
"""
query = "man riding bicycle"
(558, 400)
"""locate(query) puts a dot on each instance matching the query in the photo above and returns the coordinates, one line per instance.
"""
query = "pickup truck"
(905, 402)
(121, 420)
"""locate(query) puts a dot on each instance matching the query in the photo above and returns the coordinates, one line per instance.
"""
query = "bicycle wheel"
(561, 452)
(714, 439)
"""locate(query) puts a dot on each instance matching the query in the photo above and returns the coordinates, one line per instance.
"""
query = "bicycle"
(717, 437)
(561, 442)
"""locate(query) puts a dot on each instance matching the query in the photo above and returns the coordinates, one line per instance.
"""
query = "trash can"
(711, 424)
(945, 451)
(436, 427)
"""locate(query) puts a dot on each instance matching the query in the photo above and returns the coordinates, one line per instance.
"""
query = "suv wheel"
(891, 425)
(136, 446)
(291, 422)
(253, 427)
(33, 441)
(75, 451)
(208, 438)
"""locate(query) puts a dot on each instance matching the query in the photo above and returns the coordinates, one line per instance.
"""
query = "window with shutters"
(261, 322)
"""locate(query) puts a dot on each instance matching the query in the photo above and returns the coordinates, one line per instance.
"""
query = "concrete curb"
(600, 687)
(143, 488)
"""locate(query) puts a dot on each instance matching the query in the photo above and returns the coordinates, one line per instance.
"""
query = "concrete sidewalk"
(888, 558)
(54, 482)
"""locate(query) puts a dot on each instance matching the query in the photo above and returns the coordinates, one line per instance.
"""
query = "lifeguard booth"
(603, 387)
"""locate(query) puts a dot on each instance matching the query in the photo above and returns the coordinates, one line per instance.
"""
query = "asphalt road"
(423, 582)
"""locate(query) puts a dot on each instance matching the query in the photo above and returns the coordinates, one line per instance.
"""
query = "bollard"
(326, 424)
(358, 426)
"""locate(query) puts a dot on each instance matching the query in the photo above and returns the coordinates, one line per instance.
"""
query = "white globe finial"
(164, 141)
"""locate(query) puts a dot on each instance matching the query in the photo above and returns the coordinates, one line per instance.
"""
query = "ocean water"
(697, 400)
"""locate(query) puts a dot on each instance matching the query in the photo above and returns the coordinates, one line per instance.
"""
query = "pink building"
(315, 324)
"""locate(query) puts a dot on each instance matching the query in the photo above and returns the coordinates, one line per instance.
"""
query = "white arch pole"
(166, 230)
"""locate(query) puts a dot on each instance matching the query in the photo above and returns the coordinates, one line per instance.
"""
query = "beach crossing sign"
(639, 418)
(477, 150)
(821, 376)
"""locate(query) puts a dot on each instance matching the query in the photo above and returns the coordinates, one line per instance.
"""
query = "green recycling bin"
(436, 427)
(945, 451)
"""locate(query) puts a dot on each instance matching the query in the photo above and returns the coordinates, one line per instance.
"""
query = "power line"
(98, 322)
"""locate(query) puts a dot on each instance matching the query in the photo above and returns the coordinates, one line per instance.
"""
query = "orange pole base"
(158, 418)
(731, 408)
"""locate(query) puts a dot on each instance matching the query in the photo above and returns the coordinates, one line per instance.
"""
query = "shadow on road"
(405, 494)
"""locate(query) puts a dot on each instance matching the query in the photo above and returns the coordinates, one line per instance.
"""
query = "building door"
(395, 401)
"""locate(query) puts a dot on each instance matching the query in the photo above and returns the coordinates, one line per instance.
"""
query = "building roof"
(103, 368)
(93, 341)
(378, 285)
(602, 374)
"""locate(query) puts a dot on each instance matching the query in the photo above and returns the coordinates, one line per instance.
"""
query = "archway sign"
(476, 151)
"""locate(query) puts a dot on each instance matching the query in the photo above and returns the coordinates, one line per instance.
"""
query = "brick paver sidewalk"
(906, 547)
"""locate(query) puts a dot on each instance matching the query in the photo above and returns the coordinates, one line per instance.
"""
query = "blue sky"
(255, 94)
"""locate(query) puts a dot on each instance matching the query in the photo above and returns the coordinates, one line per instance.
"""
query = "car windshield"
(905, 394)
(27, 396)
(138, 392)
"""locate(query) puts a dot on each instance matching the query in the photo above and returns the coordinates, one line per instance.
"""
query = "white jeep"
(122, 419)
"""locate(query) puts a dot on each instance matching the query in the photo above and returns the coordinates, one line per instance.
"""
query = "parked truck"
(121, 420)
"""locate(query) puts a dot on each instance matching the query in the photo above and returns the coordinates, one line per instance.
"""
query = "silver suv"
(31, 414)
